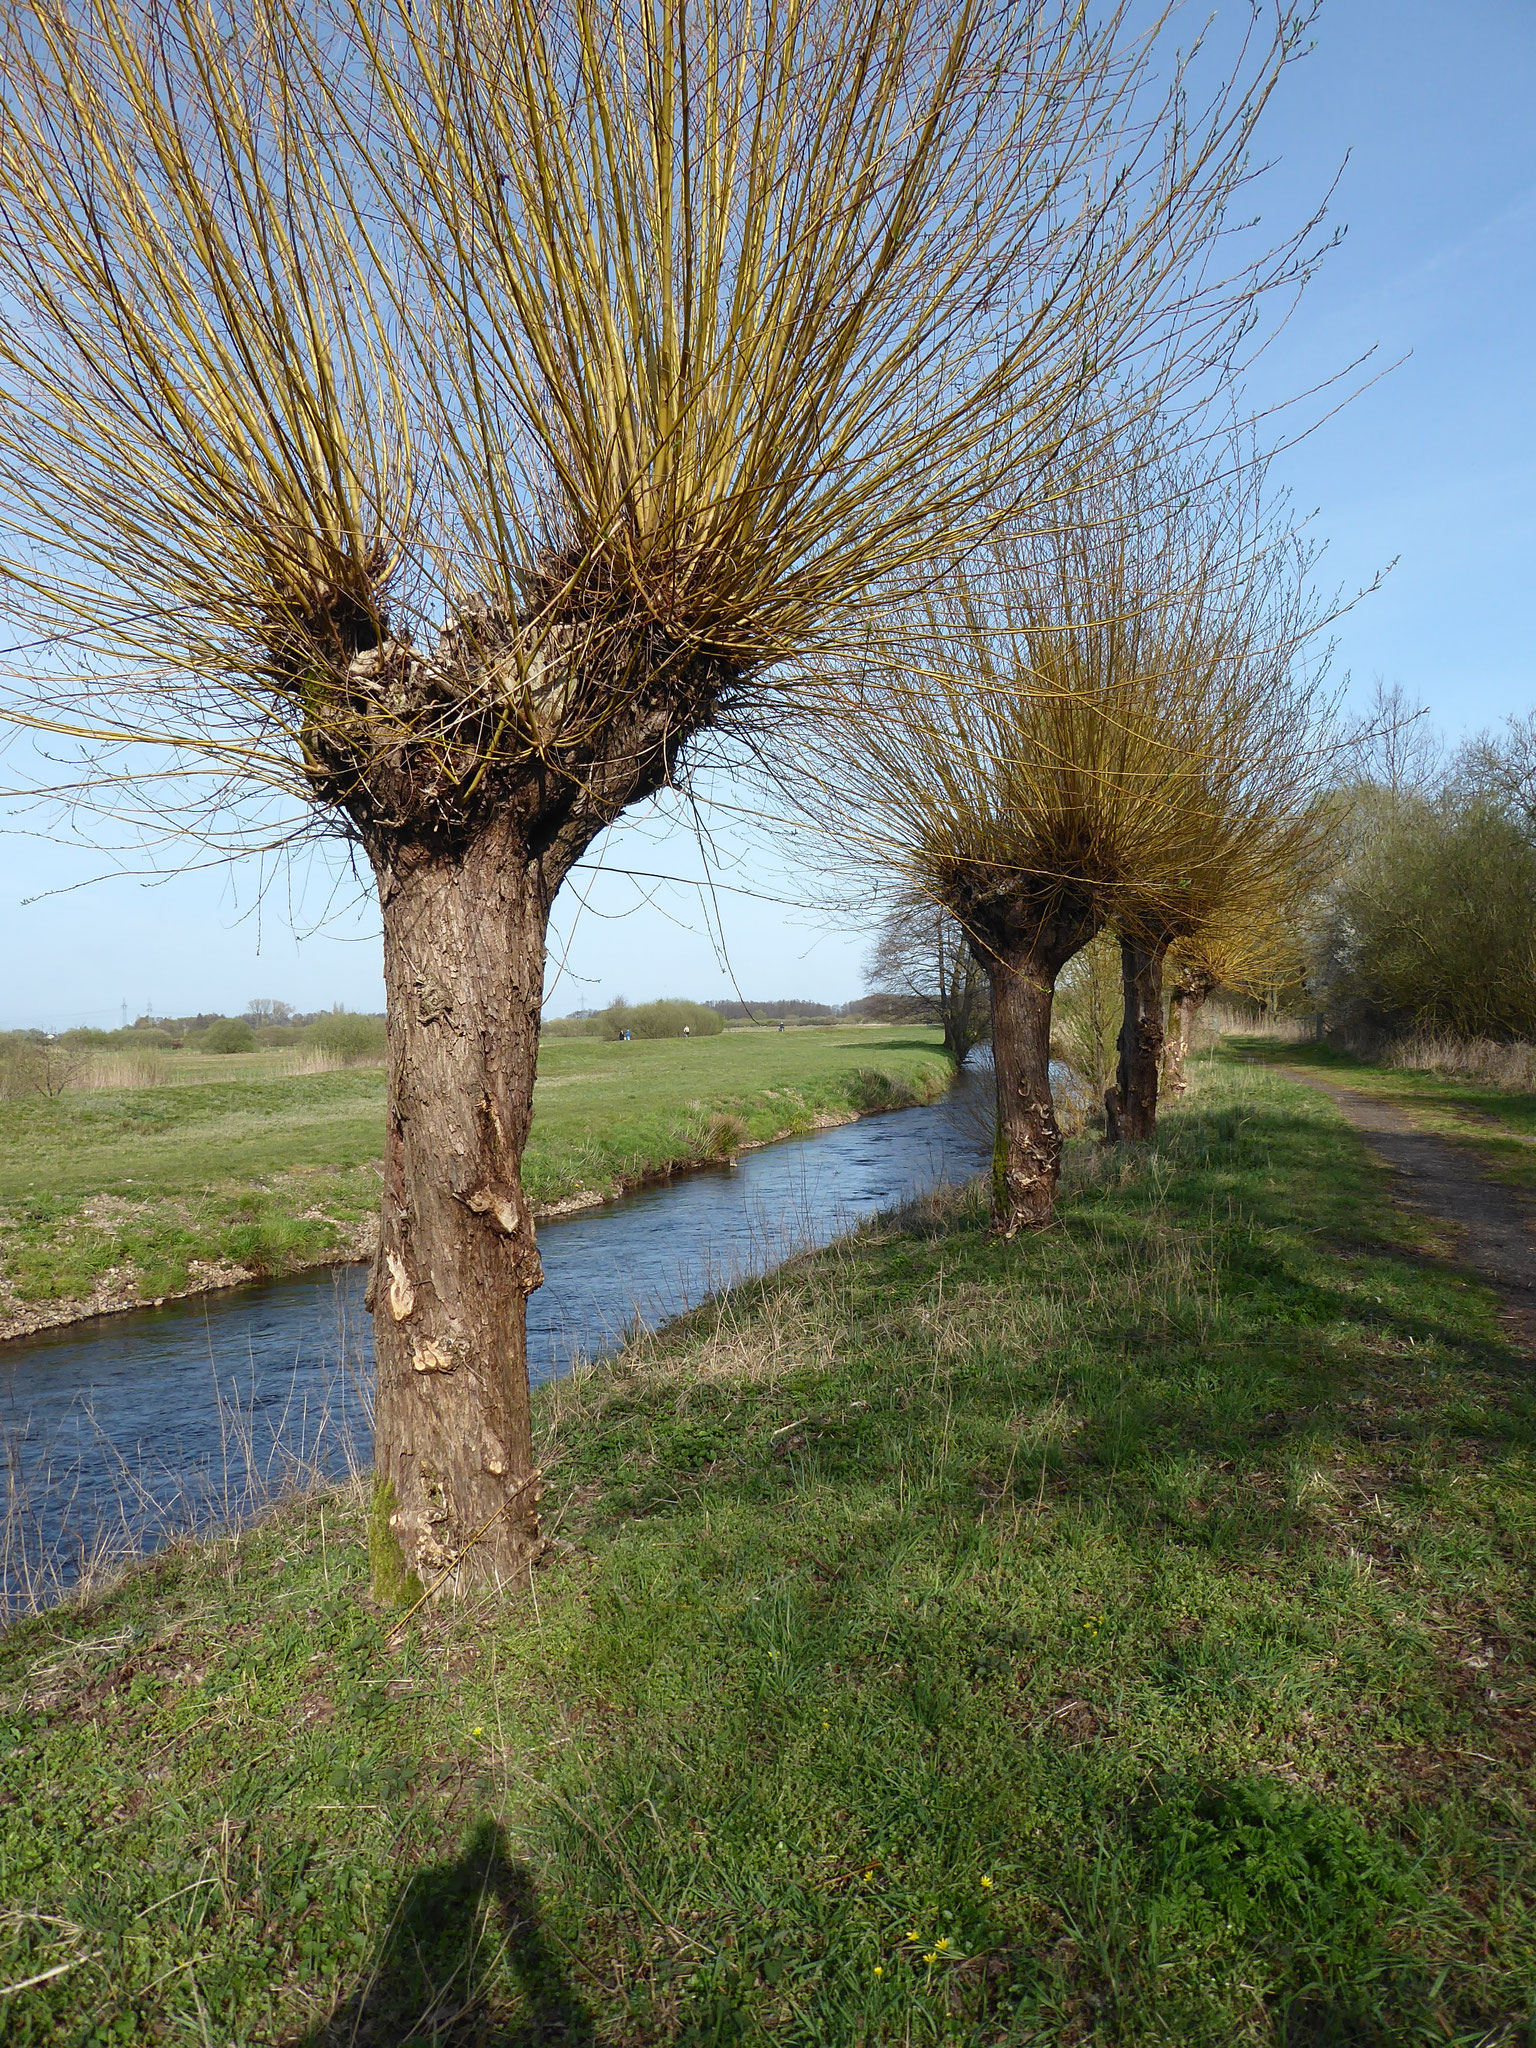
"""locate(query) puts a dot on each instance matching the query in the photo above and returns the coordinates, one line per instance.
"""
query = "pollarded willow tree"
(422, 418)
(1234, 713)
(1253, 945)
(1092, 722)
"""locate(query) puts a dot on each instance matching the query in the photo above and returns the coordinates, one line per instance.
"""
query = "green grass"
(270, 1171)
(1121, 1636)
(1499, 1124)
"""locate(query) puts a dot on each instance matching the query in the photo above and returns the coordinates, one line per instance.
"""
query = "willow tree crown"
(433, 409)
(1105, 716)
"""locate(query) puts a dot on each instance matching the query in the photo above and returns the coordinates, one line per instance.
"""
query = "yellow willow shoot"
(437, 414)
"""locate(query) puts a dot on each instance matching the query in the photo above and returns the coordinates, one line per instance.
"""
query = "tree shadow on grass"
(464, 1963)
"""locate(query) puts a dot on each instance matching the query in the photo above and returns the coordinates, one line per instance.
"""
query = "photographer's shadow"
(465, 1963)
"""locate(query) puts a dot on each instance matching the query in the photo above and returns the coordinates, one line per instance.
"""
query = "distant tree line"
(668, 1017)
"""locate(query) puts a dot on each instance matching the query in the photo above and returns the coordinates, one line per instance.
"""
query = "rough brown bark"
(1023, 956)
(464, 970)
(1130, 1106)
(1186, 1000)
(1028, 1137)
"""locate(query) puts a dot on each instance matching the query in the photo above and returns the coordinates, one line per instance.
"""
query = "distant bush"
(31, 1064)
(660, 1020)
(347, 1036)
(85, 1037)
(1432, 925)
(881, 1008)
(230, 1034)
(277, 1034)
(571, 1027)
(735, 1012)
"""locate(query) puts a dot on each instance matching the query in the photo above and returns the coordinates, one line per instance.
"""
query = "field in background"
(110, 1072)
(1121, 1636)
(258, 1164)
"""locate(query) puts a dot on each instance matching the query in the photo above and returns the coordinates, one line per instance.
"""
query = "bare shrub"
(31, 1065)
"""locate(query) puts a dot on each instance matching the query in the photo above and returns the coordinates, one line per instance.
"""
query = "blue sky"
(1433, 467)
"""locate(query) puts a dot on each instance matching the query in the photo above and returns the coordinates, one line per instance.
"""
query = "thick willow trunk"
(464, 969)
(1186, 1001)
(1028, 1158)
(1130, 1107)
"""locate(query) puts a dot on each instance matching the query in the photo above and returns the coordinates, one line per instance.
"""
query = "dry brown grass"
(1217, 1020)
(1509, 1065)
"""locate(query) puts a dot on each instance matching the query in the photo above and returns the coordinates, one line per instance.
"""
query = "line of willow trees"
(1101, 719)
(436, 423)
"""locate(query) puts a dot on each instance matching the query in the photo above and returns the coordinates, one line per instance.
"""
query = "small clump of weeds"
(723, 1134)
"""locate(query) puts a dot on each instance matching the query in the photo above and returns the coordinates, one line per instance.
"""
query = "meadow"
(1119, 1636)
(238, 1165)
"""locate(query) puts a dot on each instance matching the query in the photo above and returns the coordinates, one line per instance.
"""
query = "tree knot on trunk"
(505, 1208)
(501, 1205)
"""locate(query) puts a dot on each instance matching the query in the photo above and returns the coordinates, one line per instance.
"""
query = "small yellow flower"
(869, 1873)
(912, 1934)
(879, 1972)
(930, 1957)
(477, 1731)
(986, 1884)
(942, 1942)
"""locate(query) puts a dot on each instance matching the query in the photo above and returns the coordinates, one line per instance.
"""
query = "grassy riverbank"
(1123, 1636)
(112, 1197)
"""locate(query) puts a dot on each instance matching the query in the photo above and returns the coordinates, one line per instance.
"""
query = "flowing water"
(123, 1432)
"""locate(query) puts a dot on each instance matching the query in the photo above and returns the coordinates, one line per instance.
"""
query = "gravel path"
(1494, 1228)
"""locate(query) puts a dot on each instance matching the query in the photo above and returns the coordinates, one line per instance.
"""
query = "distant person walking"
(686, 1032)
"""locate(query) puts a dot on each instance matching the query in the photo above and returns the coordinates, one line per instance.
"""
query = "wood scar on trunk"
(402, 1295)
(500, 1205)
(440, 1354)
(433, 1001)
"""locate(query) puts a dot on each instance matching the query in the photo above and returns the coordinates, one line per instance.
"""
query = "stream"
(119, 1434)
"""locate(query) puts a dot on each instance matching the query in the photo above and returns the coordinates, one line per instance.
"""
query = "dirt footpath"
(1493, 1228)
